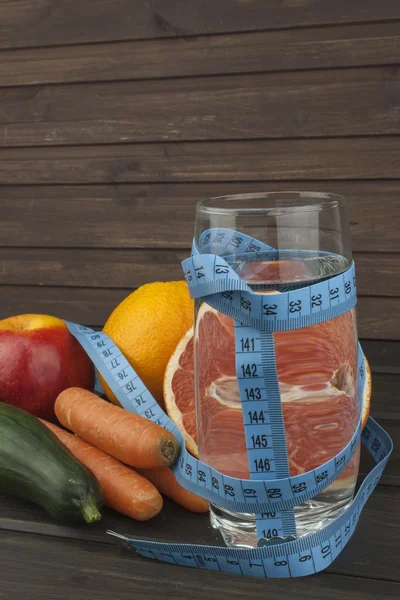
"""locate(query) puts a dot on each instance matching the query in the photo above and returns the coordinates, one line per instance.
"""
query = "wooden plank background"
(116, 117)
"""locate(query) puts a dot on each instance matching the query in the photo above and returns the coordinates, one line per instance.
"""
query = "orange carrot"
(166, 483)
(124, 490)
(124, 435)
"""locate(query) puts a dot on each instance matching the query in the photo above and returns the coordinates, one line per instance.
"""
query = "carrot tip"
(170, 451)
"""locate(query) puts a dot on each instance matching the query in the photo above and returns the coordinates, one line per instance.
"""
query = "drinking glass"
(316, 365)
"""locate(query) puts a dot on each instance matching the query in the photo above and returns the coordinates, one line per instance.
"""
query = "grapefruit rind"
(169, 395)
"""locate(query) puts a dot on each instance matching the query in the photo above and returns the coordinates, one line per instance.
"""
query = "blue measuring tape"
(270, 489)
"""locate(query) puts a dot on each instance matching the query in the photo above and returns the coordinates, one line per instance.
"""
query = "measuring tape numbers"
(270, 493)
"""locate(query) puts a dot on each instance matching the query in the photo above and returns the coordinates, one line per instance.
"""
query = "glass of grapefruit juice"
(316, 365)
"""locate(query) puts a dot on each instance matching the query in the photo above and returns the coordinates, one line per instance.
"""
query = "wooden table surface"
(42, 560)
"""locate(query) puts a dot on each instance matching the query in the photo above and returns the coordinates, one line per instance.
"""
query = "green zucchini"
(36, 466)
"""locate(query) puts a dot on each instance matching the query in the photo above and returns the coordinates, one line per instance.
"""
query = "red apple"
(39, 358)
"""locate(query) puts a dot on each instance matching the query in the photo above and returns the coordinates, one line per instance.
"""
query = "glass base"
(239, 530)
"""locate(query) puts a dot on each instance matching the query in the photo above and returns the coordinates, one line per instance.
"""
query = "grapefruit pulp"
(317, 372)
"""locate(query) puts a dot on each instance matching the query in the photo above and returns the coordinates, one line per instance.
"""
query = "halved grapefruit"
(317, 369)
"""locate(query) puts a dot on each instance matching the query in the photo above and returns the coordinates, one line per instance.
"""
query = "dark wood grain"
(271, 105)
(45, 22)
(377, 317)
(238, 16)
(87, 570)
(384, 356)
(267, 160)
(384, 390)
(86, 306)
(162, 215)
(392, 476)
(378, 275)
(317, 48)
(90, 268)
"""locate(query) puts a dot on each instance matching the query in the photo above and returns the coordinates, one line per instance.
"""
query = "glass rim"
(290, 201)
